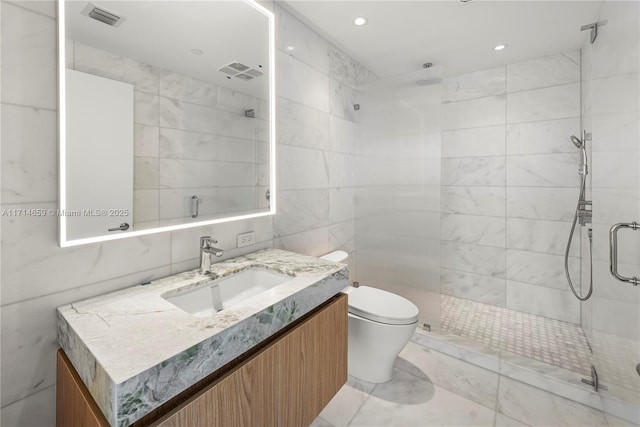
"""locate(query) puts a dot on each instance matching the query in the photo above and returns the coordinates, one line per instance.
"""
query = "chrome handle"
(613, 251)
(195, 201)
(123, 227)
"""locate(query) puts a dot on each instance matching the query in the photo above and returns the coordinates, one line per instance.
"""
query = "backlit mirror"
(166, 116)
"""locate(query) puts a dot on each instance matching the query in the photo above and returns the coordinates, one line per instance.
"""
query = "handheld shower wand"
(583, 214)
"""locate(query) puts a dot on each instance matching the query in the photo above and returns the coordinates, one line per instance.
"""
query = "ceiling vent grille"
(101, 14)
(240, 71)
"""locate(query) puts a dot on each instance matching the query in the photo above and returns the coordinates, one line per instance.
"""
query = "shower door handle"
(613, 251)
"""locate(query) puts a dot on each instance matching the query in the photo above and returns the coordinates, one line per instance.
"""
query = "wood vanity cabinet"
(285, 383)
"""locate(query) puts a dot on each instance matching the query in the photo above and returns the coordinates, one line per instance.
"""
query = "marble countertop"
(134, 350)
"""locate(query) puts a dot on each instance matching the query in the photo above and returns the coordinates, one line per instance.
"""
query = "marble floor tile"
(407, 400)
(346, 404)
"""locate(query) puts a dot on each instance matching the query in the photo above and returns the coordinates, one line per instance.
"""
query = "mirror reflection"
(167, 118)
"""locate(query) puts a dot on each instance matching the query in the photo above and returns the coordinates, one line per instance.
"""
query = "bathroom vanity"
(139, 357)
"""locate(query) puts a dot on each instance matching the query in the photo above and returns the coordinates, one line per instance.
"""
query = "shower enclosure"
(466, 193)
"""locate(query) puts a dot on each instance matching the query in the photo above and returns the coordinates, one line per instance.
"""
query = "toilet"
(381, 323)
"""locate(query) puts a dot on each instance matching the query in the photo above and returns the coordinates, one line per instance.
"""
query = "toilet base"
(374, 347)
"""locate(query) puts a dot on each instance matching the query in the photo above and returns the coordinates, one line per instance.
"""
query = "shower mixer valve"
(584, 212)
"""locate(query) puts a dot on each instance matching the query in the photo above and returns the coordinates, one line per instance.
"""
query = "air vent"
(240, 71)
(101, 14)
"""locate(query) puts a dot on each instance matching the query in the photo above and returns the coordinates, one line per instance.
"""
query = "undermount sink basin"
(223, 293)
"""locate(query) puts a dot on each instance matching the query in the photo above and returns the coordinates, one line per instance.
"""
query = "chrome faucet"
(206, 250)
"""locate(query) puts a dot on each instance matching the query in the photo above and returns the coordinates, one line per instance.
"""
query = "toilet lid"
(382, 306)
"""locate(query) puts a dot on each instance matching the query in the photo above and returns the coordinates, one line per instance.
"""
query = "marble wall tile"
(302, 126)
(302, 168)
(416, 172)
(308, 46)
(416, 224)
(464, 379)
(607, 286)
(344, 134)
(145, 173)
(311, 242)
(543, 301)
(554, 102)
(470, 171)
(185, 244)
(29, 156)
(146, 141)
(238, 102)
(347, 70)
(341, 204)
(185, 88)
(342, 98)
(301, 83)
(472, 200)
(483, 260)
(176, 173)
(474, 142)
(146, 205)
(543, 170)
(541, 269)
(301, 210)
(341, 169)
(37, 409)
(487, 111)
(613, 170)
(418, 198)
(475, 287)
(612, 132)
(553, 70)
(44, 7)
(178, 144)
(28, 58)
(45, 268)
(146, 108)
(626, 314)
(558, 204)
(612, 94)
(89, 59)
(478, 84)
(551, 136)
(342, 236)
(177, 203)
(548, 237)
(192, 117)
(481, 230)
(523, 402)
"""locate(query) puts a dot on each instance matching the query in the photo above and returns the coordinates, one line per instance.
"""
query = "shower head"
(580, 145)
(576, 141)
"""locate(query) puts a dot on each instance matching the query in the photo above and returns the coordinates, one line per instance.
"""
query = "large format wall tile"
(541, 269)
(543, 170)
(558, 204)
(301, 83)
(302, 126)
(474, 142)
(488, 201)
(28, 58)
(481, 171)
(553, 70)
(302, 42)
(555, 102)
(543, 301)
(301, 210)
(489, 290)
(548, 237)
(481, 230)
(474, 113)
(484, 260)
(551, 136)
(478, 84)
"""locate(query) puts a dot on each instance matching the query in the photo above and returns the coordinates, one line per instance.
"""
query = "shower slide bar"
(613, 251)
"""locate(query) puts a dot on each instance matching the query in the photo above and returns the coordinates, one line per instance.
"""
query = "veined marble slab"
(135, 350)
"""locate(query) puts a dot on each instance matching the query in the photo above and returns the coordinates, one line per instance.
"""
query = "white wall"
(37, 276)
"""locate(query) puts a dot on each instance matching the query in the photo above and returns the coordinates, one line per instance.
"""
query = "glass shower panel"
(611, 100)
(397, 198)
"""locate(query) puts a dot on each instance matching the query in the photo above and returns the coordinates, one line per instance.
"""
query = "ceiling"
(402, 35)
(163, 33)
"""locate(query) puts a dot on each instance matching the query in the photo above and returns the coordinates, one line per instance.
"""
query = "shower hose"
(583, 182)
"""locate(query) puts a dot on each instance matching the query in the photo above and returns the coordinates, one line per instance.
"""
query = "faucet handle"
(206, 241)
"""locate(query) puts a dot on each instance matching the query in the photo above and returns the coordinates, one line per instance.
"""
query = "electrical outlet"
(246, 239)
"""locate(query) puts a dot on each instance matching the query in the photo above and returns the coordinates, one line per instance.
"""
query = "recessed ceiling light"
(291, 48)
(197, 51)
(360, 21)
(500, 47)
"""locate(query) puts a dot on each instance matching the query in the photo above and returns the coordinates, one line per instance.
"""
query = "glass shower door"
(611, 100)
(397, 199)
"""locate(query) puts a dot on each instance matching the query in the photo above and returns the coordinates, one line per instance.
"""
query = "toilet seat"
(382, 306)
